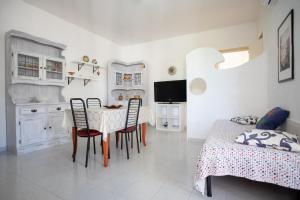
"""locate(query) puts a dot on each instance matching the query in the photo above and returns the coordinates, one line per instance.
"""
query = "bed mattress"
(221, 156)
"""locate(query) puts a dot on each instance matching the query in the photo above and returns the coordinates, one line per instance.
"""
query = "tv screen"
(170, 91)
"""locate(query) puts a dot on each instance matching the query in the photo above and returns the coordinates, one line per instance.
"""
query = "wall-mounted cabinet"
(37, 69)
(127, 80)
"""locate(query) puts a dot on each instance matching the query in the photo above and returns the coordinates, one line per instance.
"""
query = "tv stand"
(169, 116)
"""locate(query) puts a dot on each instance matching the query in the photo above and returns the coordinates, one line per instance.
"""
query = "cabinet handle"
(50, 127)
(45, 128)
(58, 108)
(34, 110)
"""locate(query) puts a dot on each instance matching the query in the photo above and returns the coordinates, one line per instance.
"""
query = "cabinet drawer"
(56, 108)
(32, 110)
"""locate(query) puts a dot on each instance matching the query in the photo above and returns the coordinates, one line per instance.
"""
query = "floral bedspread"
(221, 156)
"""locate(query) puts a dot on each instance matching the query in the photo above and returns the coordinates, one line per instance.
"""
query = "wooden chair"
(95, 103)
(81, 125)
(131, 124)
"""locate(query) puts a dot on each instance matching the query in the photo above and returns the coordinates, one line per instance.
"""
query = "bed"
(221, 156)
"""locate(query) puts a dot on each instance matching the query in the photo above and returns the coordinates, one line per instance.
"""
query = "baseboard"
(2, 149)
(195, 140)
(292, 126)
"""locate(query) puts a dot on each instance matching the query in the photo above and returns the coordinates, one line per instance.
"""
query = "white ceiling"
(133, 21)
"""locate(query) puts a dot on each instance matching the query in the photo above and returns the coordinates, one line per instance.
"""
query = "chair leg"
(94, 145)
(137, 141)
(87, 152)
(108, 149)
(140, 131)
(74, 148)
(131, 139)
(101, 143)
(117, 139)
(126, 140)
(121, 140)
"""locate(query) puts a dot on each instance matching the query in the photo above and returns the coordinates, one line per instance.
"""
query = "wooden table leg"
(144, 131)
(74, 140)
(105, 149)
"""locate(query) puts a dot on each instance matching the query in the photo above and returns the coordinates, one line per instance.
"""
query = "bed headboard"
(292, 127)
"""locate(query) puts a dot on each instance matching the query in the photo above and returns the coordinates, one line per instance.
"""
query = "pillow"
(270, 139)
(273, 119)
(245, 120)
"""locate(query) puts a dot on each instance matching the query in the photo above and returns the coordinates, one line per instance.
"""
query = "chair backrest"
(79, 113)
(133, 111)
(93, 102)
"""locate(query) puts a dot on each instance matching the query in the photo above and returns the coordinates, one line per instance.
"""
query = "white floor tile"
(163, 170)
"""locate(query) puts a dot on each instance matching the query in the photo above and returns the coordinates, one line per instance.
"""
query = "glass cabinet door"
(119, 81)
(54, 69)
(28, 66)
(137, 79)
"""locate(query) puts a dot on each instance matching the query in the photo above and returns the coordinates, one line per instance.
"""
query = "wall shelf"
(80, 64)
(86, 80)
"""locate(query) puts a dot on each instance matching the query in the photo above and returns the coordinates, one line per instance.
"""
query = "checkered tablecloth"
(108, 120)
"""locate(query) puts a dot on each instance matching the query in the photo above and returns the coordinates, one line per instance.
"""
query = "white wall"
(15, 14)
(159, 55)
(232, 92)
(284, 94)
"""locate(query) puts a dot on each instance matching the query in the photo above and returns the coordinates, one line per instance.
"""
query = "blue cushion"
(273, 119)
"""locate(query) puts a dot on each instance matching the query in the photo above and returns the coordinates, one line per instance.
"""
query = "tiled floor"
(163, 170)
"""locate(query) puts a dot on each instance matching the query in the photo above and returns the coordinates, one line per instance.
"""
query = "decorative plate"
(85, 59)
(172, 70)
(94, 61)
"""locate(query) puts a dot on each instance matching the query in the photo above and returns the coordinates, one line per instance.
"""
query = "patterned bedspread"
(221, 156)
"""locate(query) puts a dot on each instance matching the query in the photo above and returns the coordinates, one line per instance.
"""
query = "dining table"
(106, 121)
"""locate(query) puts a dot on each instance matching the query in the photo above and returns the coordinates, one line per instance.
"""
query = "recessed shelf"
(171, 114)
(54, 72)
(127, 89)
(168, 117)
(28, 68)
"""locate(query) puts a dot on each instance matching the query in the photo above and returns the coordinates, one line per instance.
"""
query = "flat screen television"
(170, 91)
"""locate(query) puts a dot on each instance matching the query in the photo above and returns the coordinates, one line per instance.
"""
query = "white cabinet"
(40, 126)
(34, 72)
(37, 69)
(33, 130)
(169, 117)
(54, 126)
(127, 80)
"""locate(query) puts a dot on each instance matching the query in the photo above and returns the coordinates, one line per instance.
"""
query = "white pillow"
(270, 139)
(245, 120)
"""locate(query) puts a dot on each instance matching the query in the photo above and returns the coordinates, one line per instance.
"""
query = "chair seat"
(84, 132)
(129, 129)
